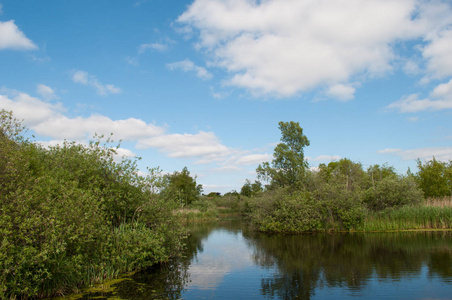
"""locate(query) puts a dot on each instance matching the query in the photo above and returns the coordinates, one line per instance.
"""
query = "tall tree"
(181, 187)
(435, 178)
(288, 166)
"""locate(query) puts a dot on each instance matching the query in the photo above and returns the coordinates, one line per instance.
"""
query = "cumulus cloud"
(203, 144)
(389, 150)
(286, 47)
(84, 78)
(46, 92)
(440, 98)
(187, 65)
(440, 153)
(341, 92)
(253, 159)
(48, 119)
(12, 38)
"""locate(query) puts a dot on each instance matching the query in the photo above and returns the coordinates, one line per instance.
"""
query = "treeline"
(72, 215)
(342, 195)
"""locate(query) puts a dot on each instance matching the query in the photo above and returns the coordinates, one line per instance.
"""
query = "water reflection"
(227, 260)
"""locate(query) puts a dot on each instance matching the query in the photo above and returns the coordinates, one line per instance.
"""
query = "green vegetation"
(180, 186)
(342, 195)
(72, 215)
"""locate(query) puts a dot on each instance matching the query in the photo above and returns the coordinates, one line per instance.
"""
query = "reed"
(439, 202)
(409, 218)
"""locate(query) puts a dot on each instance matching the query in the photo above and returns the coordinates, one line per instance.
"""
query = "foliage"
(250, 189)
(181, 188)
(409, 217)
(72, 214)
(335, 197)
(393, 191)
(345, 173)
(288, 166)
(435, 178)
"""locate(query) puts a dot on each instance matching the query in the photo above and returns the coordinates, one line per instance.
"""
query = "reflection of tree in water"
(308, 261)
(305, 263)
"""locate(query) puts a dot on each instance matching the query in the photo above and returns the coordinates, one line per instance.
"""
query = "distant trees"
(181, 187)
(435, 178)
(250, 189)
(288, 166)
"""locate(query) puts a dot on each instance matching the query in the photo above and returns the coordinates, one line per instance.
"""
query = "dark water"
(227, 260)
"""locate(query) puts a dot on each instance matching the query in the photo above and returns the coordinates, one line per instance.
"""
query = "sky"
(203, 84)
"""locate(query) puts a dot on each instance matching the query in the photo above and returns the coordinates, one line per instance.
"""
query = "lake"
(228, 260)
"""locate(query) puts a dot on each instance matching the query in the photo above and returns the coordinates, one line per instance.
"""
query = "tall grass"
(409, 217)
(439, 202)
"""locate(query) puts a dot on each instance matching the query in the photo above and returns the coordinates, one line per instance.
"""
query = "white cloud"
(32, 110)
(252, 159)
(84, 78)
(187, 65)
(227, 169)
(285, 47)
(203, 144)
(440, 99)
(122, 152)
(389, 150)
(413, 119)
(152, 46)
(440, 153)
(12, 38)
(48, 119)
(326, 158)
(341, 92)
(46, 92)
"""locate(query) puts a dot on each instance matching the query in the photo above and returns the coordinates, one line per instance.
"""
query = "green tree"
(343, 172)
(250, 189)
(181, 187)
(435, 178)
(377, 173)
(288, 167)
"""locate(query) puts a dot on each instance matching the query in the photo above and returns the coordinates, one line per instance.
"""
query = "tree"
(343, 172)
(288, 166)
(378, 173)
(250, 189)
(182, 187)
(435, 178)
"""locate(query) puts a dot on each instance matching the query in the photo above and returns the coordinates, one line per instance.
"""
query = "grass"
(439, 202)
(433, 214)
(196, 215)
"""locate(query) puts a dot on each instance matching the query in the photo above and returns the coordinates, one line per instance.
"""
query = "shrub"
(72, 214)
(393, 192)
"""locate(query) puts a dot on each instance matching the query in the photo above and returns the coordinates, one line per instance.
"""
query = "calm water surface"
(227, 260)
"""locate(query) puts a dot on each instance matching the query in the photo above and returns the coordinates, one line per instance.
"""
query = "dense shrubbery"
(71, 215)
(337, 196)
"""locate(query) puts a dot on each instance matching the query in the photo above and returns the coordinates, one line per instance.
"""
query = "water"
(227, 260)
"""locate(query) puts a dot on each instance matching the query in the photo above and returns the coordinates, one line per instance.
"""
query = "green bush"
(71, 215)
(393, 192)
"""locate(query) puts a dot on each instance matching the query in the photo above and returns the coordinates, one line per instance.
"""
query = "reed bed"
(409, 218)
(439, 202)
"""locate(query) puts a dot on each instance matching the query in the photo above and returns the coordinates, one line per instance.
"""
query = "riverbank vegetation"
(342, 195)
(74, 214)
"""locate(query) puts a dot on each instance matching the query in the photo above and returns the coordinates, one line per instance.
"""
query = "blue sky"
(204, 83)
